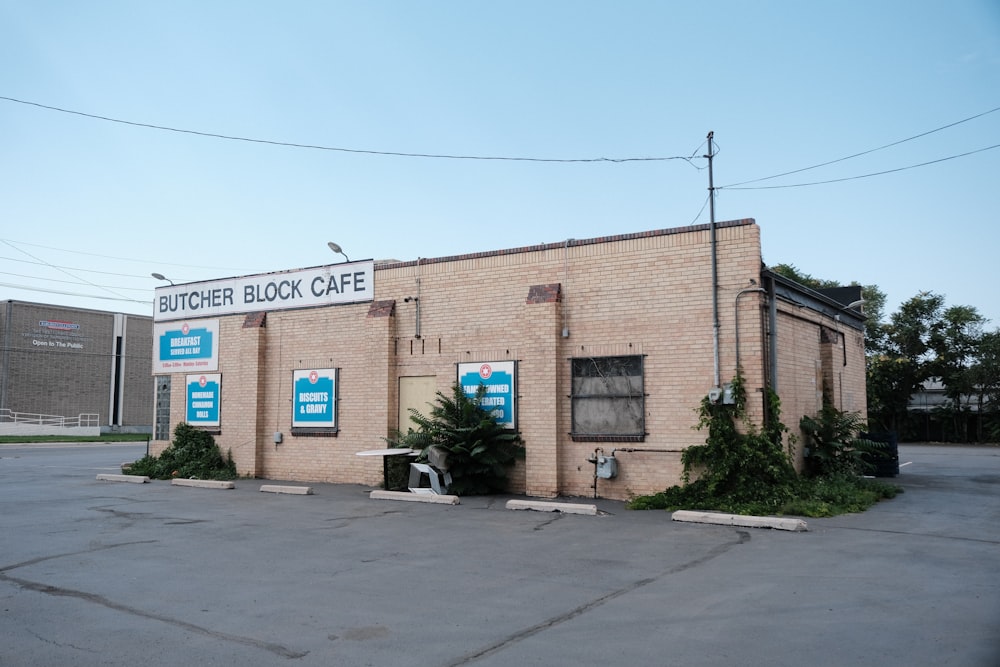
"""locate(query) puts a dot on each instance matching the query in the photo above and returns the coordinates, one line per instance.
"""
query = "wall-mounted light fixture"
(336, 248)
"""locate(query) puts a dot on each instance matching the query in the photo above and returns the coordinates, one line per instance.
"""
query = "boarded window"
(608, 399)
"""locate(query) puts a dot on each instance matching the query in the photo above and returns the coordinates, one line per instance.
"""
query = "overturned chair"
(435, 472)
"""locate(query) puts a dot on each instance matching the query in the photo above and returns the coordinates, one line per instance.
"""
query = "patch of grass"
(104, 437)
(814, 498)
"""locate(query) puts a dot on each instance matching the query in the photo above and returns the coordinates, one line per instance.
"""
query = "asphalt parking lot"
(104, 573)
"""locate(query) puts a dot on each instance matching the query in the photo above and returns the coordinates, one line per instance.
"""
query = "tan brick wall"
(643, 294)
(817, 354)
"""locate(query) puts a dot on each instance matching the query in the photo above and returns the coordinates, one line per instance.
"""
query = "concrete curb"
(134, 479)
(378, 494)
(545, 506)
(203, 483)
(293, 490)
(778, 523)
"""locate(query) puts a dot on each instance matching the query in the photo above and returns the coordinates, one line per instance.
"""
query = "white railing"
(86, 419)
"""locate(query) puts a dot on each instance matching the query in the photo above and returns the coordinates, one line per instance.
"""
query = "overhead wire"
(439, 156)
(71, 282)
(733, 186)
(121, 259)
(62, 292)
(82, 280)
(860, 176)
(73, 268)
(742, 185)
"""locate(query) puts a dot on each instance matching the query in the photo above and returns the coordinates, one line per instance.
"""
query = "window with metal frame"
(608, 399)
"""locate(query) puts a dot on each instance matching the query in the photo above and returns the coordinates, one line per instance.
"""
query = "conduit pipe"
(736, 316)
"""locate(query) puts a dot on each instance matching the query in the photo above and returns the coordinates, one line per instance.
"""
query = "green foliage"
(740, 466)
(745, 470)
(193, 454)
(838, 494)
(834, 445)
(480, 451)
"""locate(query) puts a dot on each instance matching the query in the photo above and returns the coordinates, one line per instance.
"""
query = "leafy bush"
(193, 454)
(740, 465)
(746, 470)
(834, 446)
(479, 451)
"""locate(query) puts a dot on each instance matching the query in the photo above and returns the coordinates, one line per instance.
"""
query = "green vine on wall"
(743, 468)
(740, 463)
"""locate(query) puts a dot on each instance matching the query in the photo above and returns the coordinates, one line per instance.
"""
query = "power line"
(437, 156)
(78, 278)
(122, 259)
(88, 296)
(72, 282)
(854, 178)
(71, 268)
(849, 157)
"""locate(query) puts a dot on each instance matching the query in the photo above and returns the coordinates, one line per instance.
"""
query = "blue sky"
(92, 207)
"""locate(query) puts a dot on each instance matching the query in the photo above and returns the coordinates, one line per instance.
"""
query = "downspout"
(772, 334)
(736, 318)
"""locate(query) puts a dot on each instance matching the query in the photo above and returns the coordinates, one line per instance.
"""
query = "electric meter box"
(607, 467)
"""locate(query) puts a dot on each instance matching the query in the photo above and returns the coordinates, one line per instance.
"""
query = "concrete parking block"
(718, 518)
(203, 483)
(548, 506)
(378, 494)
(134, 479)
(293, 490)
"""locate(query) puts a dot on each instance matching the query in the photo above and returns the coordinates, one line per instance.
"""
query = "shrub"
(192, 454)
(834, 446)
(740, 465)
(479, 451)
(743, 469)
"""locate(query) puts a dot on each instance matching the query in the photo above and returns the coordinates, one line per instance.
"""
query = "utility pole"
(715, 265)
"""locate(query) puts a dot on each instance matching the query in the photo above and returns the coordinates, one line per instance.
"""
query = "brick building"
(68, 362)
(602, 345)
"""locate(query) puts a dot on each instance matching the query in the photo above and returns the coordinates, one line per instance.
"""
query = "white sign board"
(349, 282)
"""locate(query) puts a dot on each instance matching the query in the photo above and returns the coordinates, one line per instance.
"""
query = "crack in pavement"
(715, 552)
(276, 649)
(102, 547)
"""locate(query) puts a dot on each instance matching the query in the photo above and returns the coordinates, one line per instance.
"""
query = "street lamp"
(160, 276)
(859, 305)
(336, 248)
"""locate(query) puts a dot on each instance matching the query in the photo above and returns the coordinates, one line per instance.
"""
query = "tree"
(902, 360)
(984, 380)
(955, 342)
(924, 339)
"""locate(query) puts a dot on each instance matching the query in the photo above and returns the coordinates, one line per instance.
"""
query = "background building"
(68, 362)
(597, 346)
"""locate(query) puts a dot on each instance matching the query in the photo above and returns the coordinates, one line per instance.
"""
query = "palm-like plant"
(479, 451)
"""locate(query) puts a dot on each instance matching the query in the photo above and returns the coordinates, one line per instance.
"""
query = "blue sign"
(203, 393)
(191, 347)
(191, 344)
(498, 377)
(314, 400)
